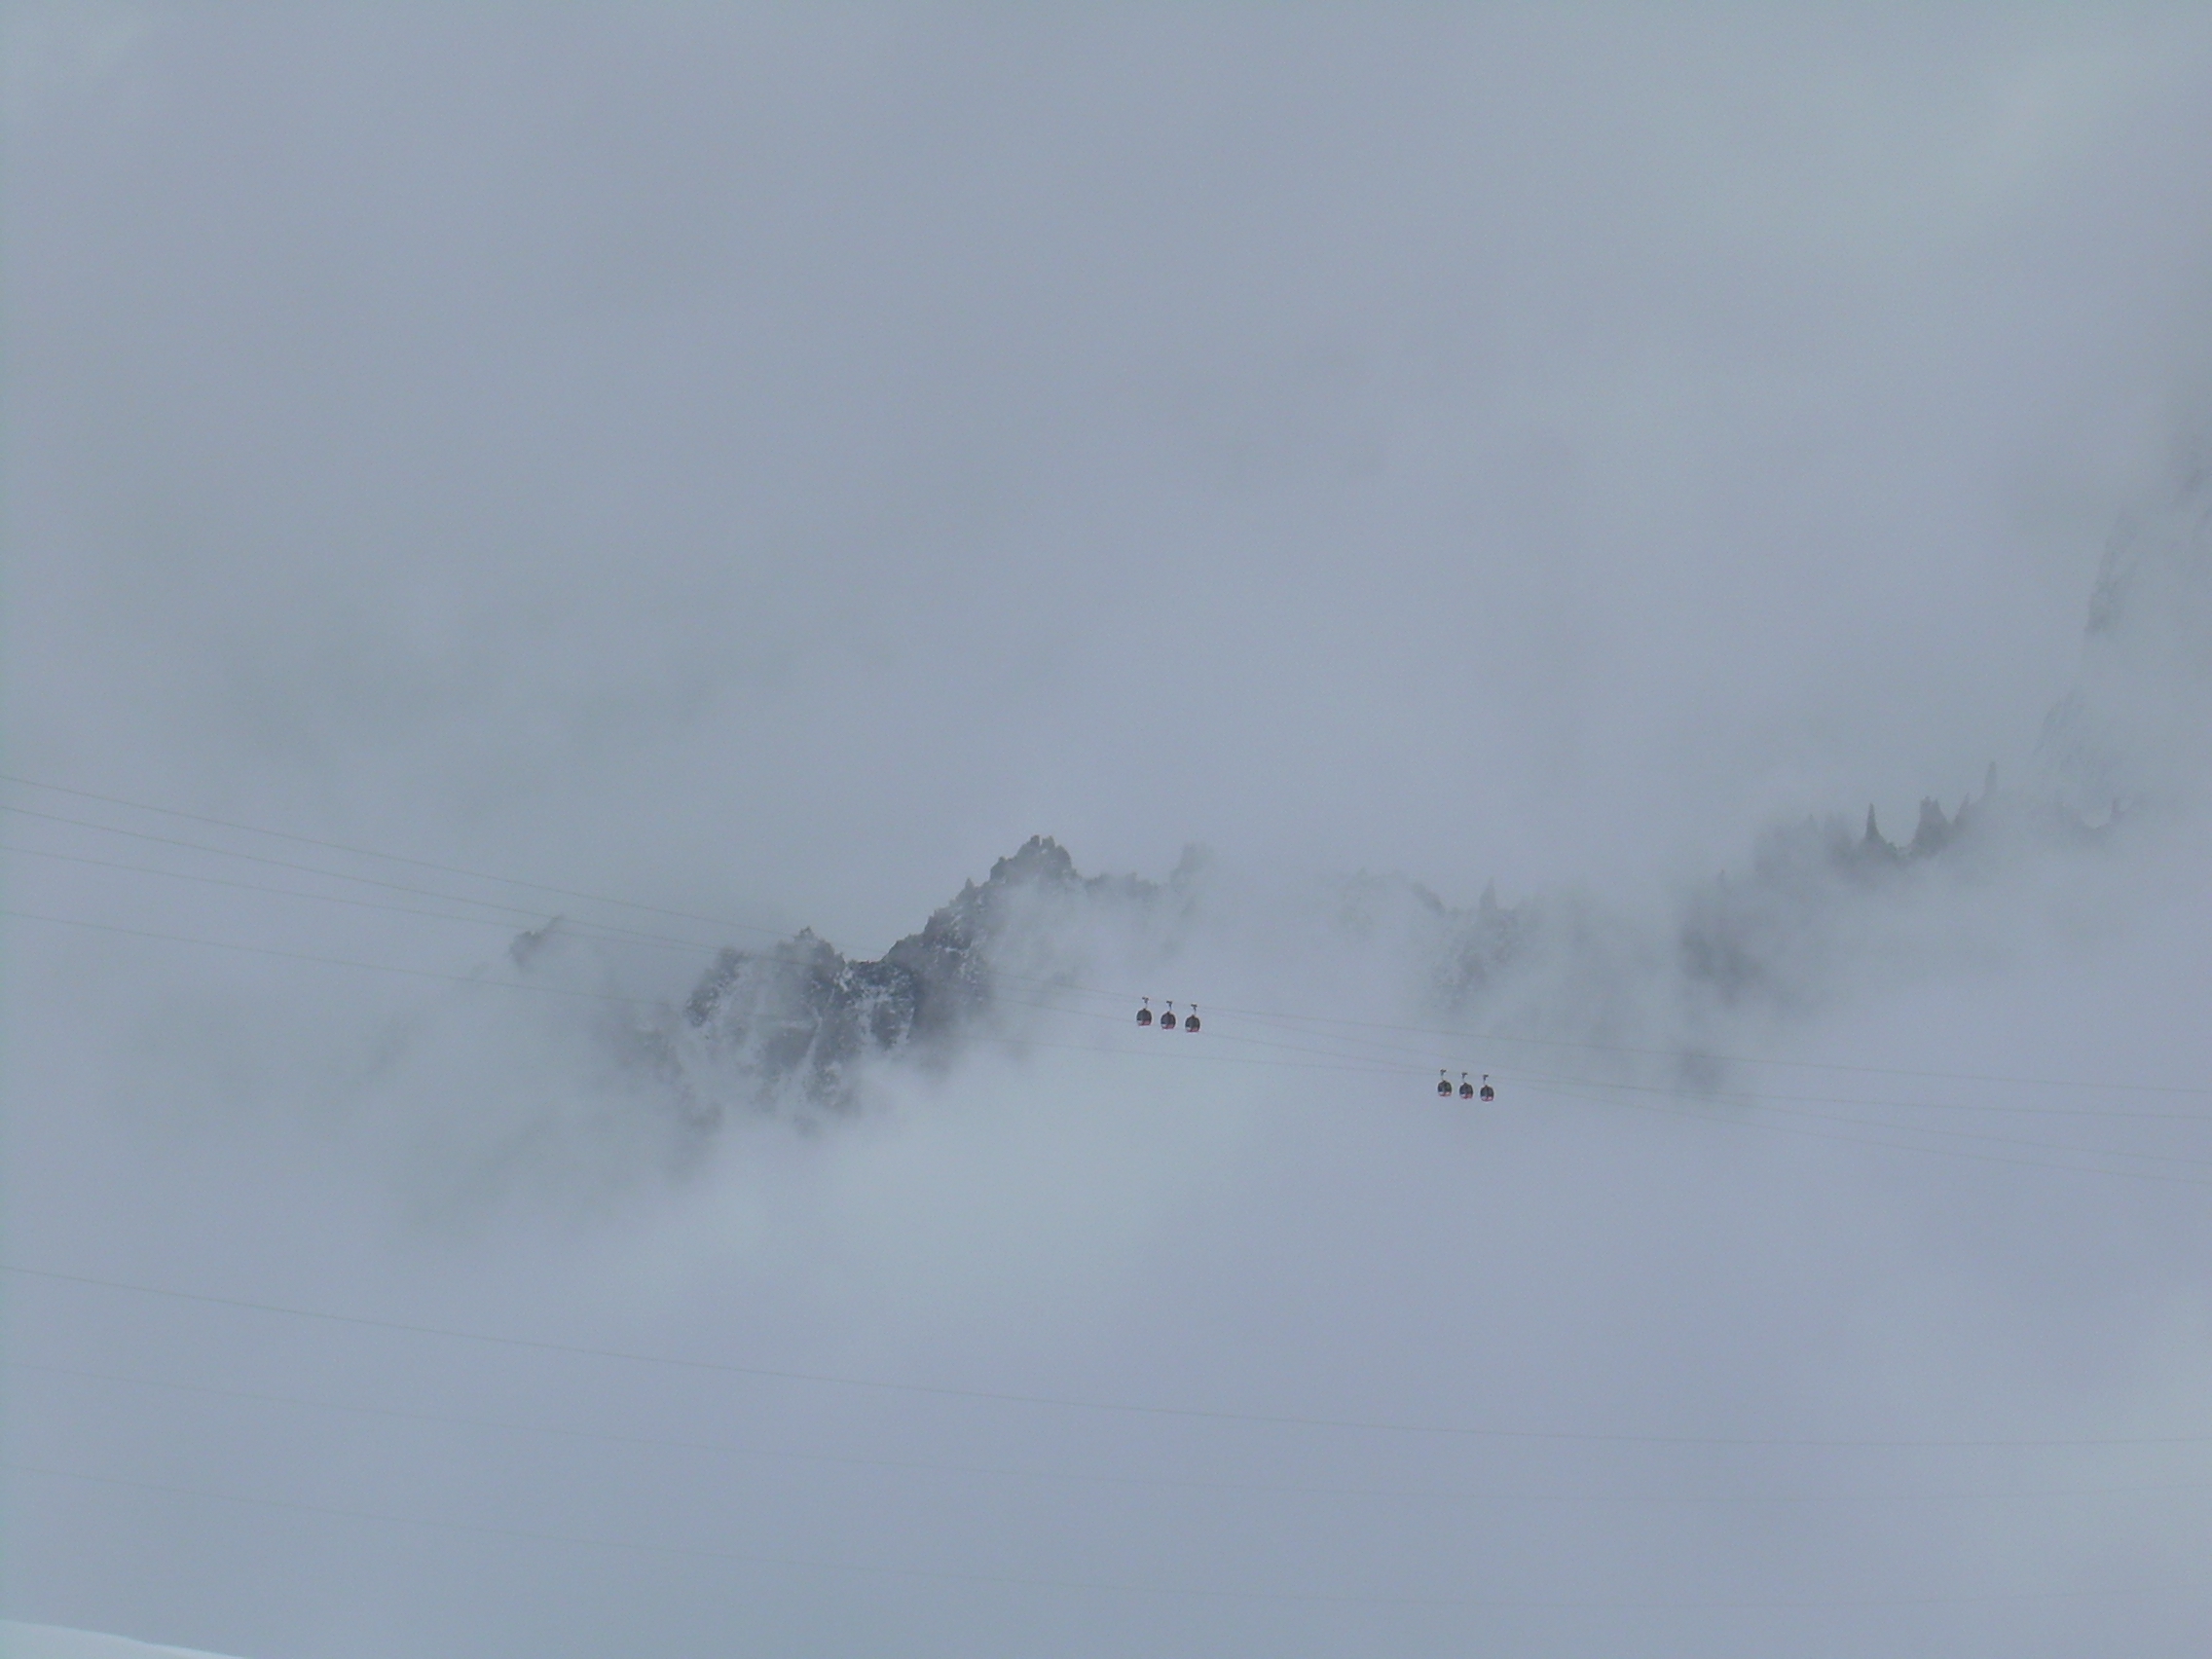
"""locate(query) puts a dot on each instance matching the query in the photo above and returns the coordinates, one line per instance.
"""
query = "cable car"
(1444, 1084)
(1168, 1019)
(1191, 1019)
(1144, 1013)
(1466, 1088)
(1489, 1093)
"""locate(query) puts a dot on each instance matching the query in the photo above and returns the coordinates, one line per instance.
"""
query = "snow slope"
(53, 1642)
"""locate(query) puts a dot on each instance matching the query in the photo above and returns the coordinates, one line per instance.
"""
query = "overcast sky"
(768, 464)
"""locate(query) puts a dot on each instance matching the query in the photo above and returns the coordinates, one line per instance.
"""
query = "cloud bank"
(1506, 492)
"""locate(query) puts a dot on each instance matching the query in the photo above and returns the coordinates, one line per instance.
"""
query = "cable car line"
(1378, 1067)
(1265, 1016)
(372, 853)
(620, 935)
(1739, 1121)
(357, 904)
(1465, 1091)
(1747, 1123)
(1700, 1108)
(1742, 1103)
(1357, 1064)
(333, 961)
(1122, 1407)
(527, 913)
(458, 979)
(470, 980)
(1752, 1104)
(1732, 1060)
(1760, 1101)
(1745, 1101)
(1379, 1064)
(1351, 1063)
(1202, 1058)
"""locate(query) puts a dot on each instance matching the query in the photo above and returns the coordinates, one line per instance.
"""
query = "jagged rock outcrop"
(795, 1020)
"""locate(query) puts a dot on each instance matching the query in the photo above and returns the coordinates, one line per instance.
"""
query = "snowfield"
(54, 1641)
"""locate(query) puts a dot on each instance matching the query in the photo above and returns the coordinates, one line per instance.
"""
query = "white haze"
(767, 466)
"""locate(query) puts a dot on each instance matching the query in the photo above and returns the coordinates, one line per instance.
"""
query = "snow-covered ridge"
(56, 1641)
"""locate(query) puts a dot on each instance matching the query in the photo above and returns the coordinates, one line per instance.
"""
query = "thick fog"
(1661, 556)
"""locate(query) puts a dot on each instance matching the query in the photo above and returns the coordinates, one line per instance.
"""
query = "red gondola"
(1443, 1084)
(1489, 1093)
(1144, 1013)
(1466, 1088)
(1191, 1019)
(1168, 1019)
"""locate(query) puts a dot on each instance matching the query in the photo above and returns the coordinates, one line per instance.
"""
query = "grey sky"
(768, 464)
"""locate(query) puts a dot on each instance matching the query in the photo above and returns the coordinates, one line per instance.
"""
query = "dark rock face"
(798, 1018)
(801, 1012)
